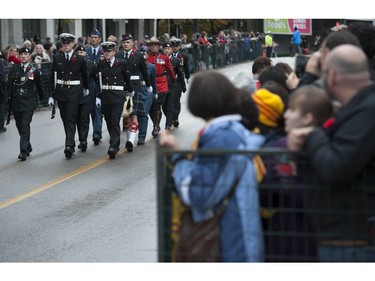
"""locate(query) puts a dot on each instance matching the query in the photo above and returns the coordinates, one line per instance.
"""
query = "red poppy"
(329, 122)
(73, 59)
(132, 55)
(116, 64)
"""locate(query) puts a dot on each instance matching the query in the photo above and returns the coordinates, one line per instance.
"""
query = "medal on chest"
(160, 61)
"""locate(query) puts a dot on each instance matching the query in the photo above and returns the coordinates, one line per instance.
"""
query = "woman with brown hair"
(203, 182)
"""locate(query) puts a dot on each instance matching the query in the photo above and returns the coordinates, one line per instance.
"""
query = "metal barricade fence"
(302, 221)
(218, 55)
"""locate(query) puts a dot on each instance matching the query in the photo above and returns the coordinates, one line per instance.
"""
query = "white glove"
(51, 102)
(130, 94)
(187, 81)
(149, 89)
(98, 102)
(86, 92)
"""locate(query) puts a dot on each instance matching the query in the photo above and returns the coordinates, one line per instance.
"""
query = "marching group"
(99, 80)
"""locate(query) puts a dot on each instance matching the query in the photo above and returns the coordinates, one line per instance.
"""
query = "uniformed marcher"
(162, 65)
(94, 51)
(67, 83)
(147, 98)
(173, 85)
(184, 61)
(94, 54)
(86, 103)
(137, 67)
(23, 87)
(113, 85)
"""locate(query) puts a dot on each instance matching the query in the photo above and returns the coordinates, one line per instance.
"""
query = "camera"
(301, 61)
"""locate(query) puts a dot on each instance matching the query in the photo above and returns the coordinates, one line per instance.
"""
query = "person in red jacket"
(13, 55)
(162, 63)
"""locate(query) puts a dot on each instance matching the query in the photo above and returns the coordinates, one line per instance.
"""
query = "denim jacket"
(202, 183)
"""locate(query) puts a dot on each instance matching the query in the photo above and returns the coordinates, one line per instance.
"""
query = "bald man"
(342, 159)
(313, 70)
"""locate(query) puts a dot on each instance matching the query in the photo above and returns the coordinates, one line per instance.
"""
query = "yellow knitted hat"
(270, 106)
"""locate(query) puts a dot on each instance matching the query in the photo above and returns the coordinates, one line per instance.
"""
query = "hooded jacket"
(202, 183)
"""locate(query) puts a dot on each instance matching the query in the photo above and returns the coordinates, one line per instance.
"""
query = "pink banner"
(303, 25)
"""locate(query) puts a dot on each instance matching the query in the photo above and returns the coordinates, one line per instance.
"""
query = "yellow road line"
(63, 178)
(56, 181)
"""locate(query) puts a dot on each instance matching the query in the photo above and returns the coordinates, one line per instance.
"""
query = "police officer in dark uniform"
(68, 72)
(24, 80)
(137, 67)
(173, 85)
(86, 103)
(184, 64)
(113, 84)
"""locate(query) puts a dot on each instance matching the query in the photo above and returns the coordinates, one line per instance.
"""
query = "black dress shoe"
(112, 153)
(96, 140)
(83, 146)
(176, 123)
(22, 156)
(129, 146)
(155, 131)
(29, 151)
(69, 152)
(140, 142)
(3, 130)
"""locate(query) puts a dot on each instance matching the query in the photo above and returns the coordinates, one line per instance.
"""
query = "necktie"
(67, 57)
(24, 68)
(109, 63)
(126, 55)
(94, 53)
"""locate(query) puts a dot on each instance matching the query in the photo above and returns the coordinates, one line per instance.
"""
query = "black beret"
(126, 36)
(167, 45)
(24, 50)
(80, 48)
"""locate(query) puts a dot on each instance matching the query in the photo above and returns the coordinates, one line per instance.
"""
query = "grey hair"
(244, 81)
